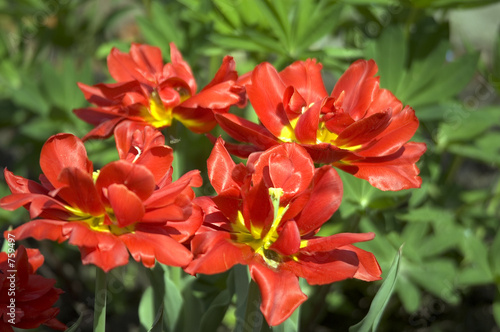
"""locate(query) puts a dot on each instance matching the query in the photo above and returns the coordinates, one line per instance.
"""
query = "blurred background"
(440, 57)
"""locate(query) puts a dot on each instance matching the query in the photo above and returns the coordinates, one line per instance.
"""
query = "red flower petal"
(130, 134)
(257, 208)
(325, 199)
(382, 101)
(127, 207)
(226, 72)
(170, 212)
(167, 194)
(286, 166)
(305, 76)
(280, 291)
(182, 230)
(293, 102)
(61, 151)
(368, 269)
(364, 131)
(79, 191)
(306, 129)
(321, 268)
(142, 64)
(246, 131)
(214, 252)
(199, 120)
(136, 178)
(104, 129)
(401, 129)
(326, 153)
(359, 86)
(102, 249)
(266, 95)
(288, 242)
(41, 229)
(217, 97)
(179, 68)
(334, 242)
(393, 172)
(18, 184)
(35, 258)
(108, 94)
(147, 247)
(220, 167)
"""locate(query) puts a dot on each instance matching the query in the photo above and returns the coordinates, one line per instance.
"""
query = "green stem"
(101, 293)
(254, 320)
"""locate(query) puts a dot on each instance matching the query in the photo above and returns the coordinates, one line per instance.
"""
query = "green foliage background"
(440, 57)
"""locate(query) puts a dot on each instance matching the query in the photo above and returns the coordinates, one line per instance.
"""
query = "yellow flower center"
(323, 135)
(105, 222)
(158, 115)
(256, 240)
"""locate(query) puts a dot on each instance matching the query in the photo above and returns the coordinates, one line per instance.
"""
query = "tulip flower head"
(129, 205)
(26, 298)
(266, 215)
(150, 92)
(359, 128)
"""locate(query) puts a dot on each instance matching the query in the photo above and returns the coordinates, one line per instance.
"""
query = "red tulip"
(359, 128)
(129, 205)
(26, 298)
(266, 215)
(150, 92)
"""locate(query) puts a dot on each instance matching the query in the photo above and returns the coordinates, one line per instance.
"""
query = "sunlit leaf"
(372, 319)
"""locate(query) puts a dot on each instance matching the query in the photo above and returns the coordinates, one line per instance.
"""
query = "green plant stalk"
(101, 293)
(254, 320)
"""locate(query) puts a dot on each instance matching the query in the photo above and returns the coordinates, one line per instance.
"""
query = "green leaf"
(389, 52)
(158, 321)
(466, 126)
(172, 299)
(41, 128)
(167, 25)
(241, 283)
(496, 311)
(236, 43)
(370, 2)
(147, 308)
(60, 84)
(494, 256)
(379, 246)
(439, 243)
(276, 16)
(437, 277)
(408, 293)
(76, 326)
(476, 256)
(422, 72)
(161, 28)
(449, 80)
(228, 14)
(372, 319)
(162, 293)
(485, 148)
(427, 214)
(291, 324)
(5, 244)
(213, 315)
(451, 3)
(9, 74)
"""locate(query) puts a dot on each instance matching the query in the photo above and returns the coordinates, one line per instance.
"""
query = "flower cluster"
(26, 298)
(266, 213)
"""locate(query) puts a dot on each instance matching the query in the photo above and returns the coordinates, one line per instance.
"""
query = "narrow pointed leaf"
(372, 319)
